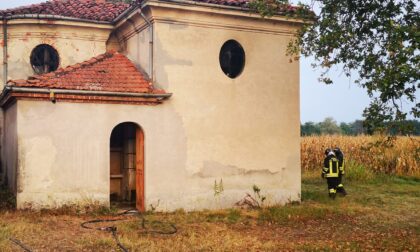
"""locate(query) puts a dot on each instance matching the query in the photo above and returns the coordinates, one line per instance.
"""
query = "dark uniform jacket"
(331, 167)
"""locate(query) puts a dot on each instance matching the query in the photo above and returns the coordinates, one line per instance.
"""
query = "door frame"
(140, 169)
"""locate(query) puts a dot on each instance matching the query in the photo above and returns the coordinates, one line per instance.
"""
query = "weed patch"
(216, 216)
(234, 215)
(358, 172)
(4, 233)
(308, 195)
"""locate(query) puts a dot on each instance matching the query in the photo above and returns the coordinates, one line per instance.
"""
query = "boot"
(341, 190)
(332, 193)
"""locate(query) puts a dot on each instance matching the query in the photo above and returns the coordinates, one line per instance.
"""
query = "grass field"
(381, 213)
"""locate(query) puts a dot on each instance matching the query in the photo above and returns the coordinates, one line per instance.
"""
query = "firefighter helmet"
(329, 152)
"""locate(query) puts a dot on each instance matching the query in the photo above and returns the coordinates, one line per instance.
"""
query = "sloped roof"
(98, 10)
(236, 3)
(102, 10)
(289, 9)
(111, 71)
(286, 9)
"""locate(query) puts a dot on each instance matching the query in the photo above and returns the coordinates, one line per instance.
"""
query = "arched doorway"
(127, 165)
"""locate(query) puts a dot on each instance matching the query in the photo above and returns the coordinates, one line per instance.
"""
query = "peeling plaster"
(39, 152)
(215, 169)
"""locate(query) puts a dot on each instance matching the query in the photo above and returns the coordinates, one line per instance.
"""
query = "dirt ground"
(377, 215)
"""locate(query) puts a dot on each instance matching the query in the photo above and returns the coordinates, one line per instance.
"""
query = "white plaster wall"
(64, 151)
(75, 42)
(243, 131)
(10, 147)
(138, 50)
(135, 36)
(64, 159)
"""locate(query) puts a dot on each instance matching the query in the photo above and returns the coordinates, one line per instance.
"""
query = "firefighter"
(330, 171)
(340, 156)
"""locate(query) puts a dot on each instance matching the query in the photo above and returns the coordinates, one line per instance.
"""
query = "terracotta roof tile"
(98, 10)
(107, 72)
(239, 3)
(286, 9)
(102, 10)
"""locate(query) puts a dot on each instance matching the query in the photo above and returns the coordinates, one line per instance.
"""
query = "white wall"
(74, 41)
(244, 131)
(65, 150)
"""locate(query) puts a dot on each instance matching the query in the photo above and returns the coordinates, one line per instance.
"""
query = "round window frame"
(223, 51)
(51, 49)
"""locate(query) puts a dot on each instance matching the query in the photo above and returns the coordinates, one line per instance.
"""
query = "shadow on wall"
(165, 59)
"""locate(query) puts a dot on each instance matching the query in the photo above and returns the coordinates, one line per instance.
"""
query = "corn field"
(399, 155)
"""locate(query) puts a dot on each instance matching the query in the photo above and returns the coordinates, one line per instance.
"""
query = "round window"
(44, 59)
(232, 58)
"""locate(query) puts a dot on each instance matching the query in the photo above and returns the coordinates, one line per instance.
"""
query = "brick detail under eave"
(13, 96)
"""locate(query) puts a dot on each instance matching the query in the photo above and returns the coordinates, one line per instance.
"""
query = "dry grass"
(400, 156)
(378, 215)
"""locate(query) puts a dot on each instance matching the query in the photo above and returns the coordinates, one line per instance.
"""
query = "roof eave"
(54, 17)
(82, 92)
(9, 89)
(244, 11)
(126, 13)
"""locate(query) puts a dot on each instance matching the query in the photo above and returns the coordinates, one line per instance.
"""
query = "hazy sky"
(344, 100)
(4, 4)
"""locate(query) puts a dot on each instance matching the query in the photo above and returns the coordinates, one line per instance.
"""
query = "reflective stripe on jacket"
(331, 167)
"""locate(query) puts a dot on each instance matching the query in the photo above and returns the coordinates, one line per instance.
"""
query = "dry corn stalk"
(400, 156)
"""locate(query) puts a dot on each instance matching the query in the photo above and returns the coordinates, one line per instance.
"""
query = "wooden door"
(116, 173)
(140, 170)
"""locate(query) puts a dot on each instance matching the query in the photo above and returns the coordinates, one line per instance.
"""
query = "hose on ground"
(20, 244)
(144, 225)
(113, 229)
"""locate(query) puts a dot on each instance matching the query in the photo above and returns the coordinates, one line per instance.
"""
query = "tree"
(329, 127)
(309, 129)
(357, 127)
(346, 128)
(376, 40)
(409, 127)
